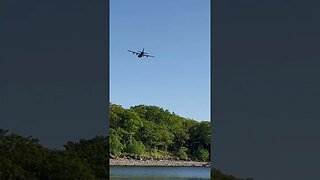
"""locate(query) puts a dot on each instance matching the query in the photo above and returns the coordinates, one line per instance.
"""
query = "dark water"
(159, 173)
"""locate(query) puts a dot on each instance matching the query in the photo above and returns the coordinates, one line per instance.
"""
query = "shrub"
(136, 148)
(183, 153)
(202, 154)
(115, 146)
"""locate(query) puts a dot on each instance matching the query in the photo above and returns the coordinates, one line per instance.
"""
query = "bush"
(136, 148)
(183, 153)
(115, 146)
(203, 154)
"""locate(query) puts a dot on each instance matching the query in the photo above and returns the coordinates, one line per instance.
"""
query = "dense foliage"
(218, 175)
(24, 158)
(151, 131)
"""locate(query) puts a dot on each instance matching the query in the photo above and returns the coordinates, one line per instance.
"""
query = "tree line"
(24, 158)
(151, 131)
(139, 130)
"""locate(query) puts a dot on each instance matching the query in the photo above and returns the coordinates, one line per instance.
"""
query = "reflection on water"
(159, 173)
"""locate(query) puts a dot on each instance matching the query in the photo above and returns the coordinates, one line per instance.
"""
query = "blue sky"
(177, 33)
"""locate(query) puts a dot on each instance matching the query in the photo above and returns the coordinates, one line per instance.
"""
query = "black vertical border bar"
(107, 74)
(211, 85)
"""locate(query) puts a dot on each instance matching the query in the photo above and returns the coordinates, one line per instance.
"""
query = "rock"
(141, 161)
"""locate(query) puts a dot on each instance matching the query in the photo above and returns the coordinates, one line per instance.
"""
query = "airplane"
(141, 53)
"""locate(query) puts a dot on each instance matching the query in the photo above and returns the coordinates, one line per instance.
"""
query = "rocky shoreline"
(155, 162)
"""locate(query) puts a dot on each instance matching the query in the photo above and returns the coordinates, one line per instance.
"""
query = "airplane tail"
(142, 49)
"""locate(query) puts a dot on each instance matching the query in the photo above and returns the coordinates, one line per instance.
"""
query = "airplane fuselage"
(140, 55)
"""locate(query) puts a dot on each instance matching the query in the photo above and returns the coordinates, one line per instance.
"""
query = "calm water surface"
(159, 173)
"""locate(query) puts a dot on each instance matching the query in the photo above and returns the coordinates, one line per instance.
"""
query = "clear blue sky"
(177, 33)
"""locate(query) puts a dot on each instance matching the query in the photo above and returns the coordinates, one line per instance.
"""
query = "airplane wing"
(148, 55)
(133, 52)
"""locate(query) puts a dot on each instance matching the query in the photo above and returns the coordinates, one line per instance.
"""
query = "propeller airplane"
(141, 53)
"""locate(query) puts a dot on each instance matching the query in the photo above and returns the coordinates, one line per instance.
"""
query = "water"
(159, 173)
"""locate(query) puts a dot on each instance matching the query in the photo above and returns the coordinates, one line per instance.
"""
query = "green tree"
(136, 148)
(63, 165)
(182, 153)
(158, 130)
(116, 145)
(180, 132)
(199, 137)
(125, 122)
(92, 152)
(202, 154)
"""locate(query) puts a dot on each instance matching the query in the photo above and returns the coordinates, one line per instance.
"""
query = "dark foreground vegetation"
(24, 158)
(218, 175)
(147, 131)
(152, 132)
